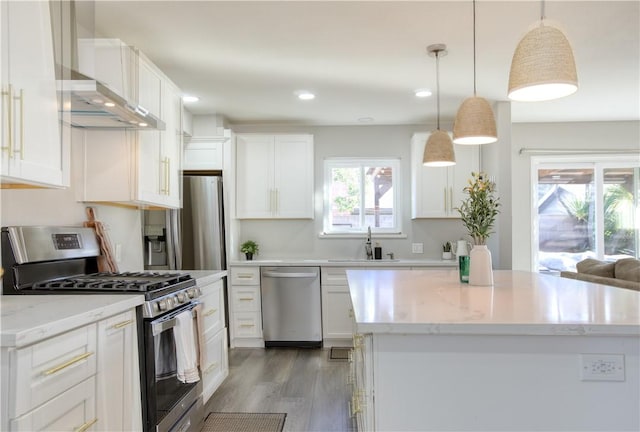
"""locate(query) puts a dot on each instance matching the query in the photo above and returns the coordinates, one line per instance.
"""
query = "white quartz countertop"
(346, 262)
(26, 319)
(205, 277)
(519, 303)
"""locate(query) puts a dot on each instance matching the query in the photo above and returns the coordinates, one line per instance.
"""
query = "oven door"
(167, 398)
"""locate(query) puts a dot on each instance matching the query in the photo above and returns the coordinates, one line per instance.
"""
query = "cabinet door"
(337, 312)
(212, 300)
(32, 149)
(254, 176)
(151, 167)
(73, 410)
(171, 177)
(293, 176)
(429, 184)
(118, 390)
(149, 86)
(467, 161)
(217, 365)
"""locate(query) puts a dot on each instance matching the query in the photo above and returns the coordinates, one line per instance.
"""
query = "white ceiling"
(245, 60)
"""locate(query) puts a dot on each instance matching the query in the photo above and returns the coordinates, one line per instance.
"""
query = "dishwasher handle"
(274, 274)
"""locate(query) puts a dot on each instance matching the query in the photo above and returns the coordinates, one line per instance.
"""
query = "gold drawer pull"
(87, 425)
(210, 312)
(246, 298)
(122, 324)
(247, 325)
(211, 367)
(245, 276)
(67, 364)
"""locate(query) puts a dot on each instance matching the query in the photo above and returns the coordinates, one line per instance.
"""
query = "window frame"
(396, 184)
(589, 161)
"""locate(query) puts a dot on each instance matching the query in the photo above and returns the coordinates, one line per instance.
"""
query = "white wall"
(60, 207)
(576, 136)
(300, 238)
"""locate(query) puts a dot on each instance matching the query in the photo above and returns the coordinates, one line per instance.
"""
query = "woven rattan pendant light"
(474, 123)
(543, 66)
(438, 151)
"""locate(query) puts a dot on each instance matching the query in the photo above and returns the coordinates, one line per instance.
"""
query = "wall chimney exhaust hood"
(93, 105)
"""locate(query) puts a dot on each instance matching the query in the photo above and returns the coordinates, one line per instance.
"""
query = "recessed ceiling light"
(109, 104)
(366, 119)
(423, 93)
(188, 99)
(305, 95)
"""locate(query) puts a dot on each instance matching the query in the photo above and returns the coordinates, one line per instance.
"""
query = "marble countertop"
(346, 262)
(26, 319)
(202, 277)
(519, 303)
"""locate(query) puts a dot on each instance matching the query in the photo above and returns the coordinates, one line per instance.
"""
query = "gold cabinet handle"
(247, 325)
(245, 276)
(9, 95)
(67, 364)
(445, 199)
(210, 312)
(450, 199)
(122, 324)
(168, 178)
(245, 298)
(21, 99)
(211, 367)
(87, 425)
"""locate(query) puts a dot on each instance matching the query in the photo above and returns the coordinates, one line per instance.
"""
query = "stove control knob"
(156, 307)
(162, 305)
(191, 292)
(182, 297)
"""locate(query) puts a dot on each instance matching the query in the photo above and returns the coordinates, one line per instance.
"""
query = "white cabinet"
(361, 404)
(32, 149)
(84, 379)
(245, 306)
(337, 312)
(274, 175)
(216, 367)
(437, 191)
(118, 386)
(202, 153)
(139, 168)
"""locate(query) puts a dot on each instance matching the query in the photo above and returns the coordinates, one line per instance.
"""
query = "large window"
(586, 210)
(361, 193)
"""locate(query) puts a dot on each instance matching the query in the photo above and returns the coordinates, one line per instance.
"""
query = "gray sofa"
(624, 273)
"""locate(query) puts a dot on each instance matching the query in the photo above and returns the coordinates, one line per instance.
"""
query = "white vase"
(480, 267)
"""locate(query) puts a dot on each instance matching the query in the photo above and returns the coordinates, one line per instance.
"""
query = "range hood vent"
(93, 105)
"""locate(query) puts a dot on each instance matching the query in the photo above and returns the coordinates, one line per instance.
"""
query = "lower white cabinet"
(86, 379)
(216, 364)
(337, 312)
(245, 306)
(361, 404)
(119, 403)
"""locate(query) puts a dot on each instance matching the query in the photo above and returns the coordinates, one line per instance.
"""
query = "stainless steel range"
(63, 260)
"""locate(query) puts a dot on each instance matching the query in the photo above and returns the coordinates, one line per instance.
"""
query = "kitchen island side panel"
(502, 383)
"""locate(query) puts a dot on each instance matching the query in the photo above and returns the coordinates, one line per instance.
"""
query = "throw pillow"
(596, 267)
(628, 269)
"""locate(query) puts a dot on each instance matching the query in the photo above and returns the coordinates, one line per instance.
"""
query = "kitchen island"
(532, 352)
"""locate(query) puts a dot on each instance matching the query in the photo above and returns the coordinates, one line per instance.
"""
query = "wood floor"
(304, 383)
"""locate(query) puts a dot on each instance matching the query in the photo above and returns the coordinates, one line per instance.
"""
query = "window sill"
(374, 236)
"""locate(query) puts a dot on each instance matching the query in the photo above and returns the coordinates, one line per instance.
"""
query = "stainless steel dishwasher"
(291, 307)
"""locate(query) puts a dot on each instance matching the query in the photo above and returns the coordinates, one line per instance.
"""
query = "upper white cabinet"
(274, 176)
(143, 167)
(32, 149)
(437, 191)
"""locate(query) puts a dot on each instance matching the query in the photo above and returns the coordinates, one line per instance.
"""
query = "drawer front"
(73, 410)
(333, 276)
(245, 299)
(247, 324)
(48, 368)
(216, 368)
(212, 307)
(245, 275)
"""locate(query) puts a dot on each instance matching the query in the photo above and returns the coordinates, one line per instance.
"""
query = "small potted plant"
(249, 248)
(478, 212)
(446, 251)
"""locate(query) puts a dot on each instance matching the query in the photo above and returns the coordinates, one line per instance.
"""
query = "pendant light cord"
(438, 89)
(542, 12)
(474, 48)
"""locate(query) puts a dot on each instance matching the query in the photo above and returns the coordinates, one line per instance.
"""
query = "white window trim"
(573, 161)
(395, 165)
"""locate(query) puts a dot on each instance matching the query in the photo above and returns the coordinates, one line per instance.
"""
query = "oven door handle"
(169, 321)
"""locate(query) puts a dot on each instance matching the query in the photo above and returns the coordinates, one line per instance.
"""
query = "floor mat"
(244, 422)
(339, 353)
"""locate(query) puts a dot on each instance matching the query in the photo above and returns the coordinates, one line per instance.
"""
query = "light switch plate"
(602, 367)
(417, 248)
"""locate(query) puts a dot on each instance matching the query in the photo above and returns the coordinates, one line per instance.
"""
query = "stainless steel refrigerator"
(193, 237)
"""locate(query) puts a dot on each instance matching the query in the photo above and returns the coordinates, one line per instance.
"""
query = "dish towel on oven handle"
(186, 352)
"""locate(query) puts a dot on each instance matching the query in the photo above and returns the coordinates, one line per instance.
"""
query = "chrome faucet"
(367, 245)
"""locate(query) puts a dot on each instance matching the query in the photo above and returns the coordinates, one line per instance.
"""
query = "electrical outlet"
(602, 367)
(417, 248)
